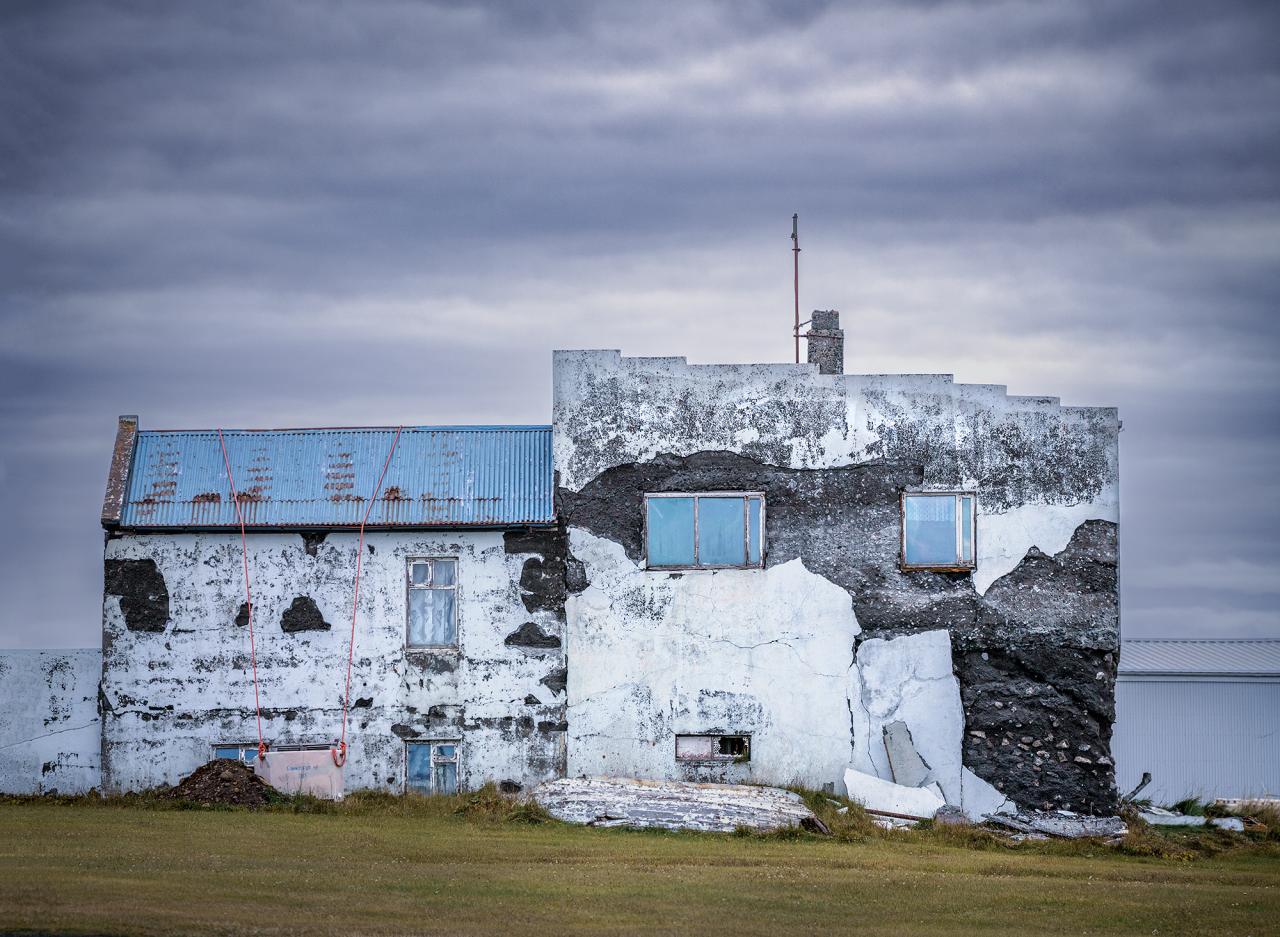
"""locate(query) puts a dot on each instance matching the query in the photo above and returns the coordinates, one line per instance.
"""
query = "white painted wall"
(761, 652)
(174, 695)
(50, 733)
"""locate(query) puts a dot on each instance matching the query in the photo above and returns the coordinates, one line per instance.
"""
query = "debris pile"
(222, 781)
(673, 805)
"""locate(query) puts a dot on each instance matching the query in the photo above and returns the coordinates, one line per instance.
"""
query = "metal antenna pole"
(795, 253)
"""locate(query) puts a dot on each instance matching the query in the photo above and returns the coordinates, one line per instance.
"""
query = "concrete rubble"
(1158, 816)
(877, 794)
(671, 805)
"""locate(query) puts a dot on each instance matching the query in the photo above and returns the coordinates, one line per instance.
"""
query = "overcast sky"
(224, 214)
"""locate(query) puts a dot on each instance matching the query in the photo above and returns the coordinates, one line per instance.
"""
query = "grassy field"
(422, 868)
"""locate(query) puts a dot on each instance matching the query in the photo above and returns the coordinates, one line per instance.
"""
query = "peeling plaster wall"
(171, 694)
(50, 733)
(1040, 469)
(1032, 632)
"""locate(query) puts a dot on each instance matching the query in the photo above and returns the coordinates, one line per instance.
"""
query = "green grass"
(477, 865)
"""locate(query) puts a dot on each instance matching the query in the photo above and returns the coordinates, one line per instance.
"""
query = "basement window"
(938, 530)
(432, 767)
(716, 530)
(713, 748)
(247, 752)
(433, 602)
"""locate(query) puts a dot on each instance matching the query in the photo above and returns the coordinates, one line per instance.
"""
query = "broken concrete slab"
(1158, 816)
(979, 799)
(905, 763)
(1060, 823)
(908, 679)
(671, 805)
(878, 794)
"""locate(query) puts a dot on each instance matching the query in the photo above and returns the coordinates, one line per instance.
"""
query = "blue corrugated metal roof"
(439, 476)
(1201, 656)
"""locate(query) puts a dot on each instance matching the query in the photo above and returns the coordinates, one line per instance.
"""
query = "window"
(938, 530)
(248, 752)
(720, 530)
(433, 603)
(431, 767)
(244, 753)
(714, 748)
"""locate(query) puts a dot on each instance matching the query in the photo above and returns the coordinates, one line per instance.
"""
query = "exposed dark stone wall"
(1049, 629)
(531, 636)
(546, 580)
(144, 598)
(303, 615)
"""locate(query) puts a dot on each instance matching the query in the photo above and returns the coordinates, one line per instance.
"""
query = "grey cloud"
(230, 214)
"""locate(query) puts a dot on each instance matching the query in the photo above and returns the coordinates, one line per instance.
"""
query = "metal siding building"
(437, 476)
(1203, 716)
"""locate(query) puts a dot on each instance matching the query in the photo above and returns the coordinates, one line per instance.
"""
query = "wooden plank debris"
(671, 805)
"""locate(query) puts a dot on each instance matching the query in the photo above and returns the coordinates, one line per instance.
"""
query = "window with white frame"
(432, 767)
(433, 602)
(715, 530)
(938, 530)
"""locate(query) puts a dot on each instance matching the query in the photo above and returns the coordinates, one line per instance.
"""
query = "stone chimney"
(826, 341)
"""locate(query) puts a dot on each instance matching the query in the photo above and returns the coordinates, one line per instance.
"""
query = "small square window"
(431, 767)
(717, 530)
(433, 603)
(713, 748)
(938, 530)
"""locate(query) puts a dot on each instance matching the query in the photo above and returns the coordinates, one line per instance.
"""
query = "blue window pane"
(443, 574)
(418, 769)
(227, 751)
(447, 778)
(966, 533)
(670, 528)
(721, 532)
(931, 530)
(446, 751)
(431, 617)
(753, 530)
(248, 755)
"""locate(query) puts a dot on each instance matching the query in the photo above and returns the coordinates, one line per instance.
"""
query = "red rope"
(340, 753)
(248, 595)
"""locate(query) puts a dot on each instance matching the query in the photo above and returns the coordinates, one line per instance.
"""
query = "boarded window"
(938, 530)
(718, 530)
(432, 767)
(717, 748)
(433, 602)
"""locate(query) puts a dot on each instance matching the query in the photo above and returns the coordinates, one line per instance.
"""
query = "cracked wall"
(50, 733)
(1032, 631)
(171, 694)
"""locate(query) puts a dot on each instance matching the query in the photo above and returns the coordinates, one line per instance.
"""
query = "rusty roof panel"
(439, 476)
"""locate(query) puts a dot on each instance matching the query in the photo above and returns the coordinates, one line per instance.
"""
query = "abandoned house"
(754, 573)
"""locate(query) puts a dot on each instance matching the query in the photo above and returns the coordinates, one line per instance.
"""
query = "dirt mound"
(222, 781)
